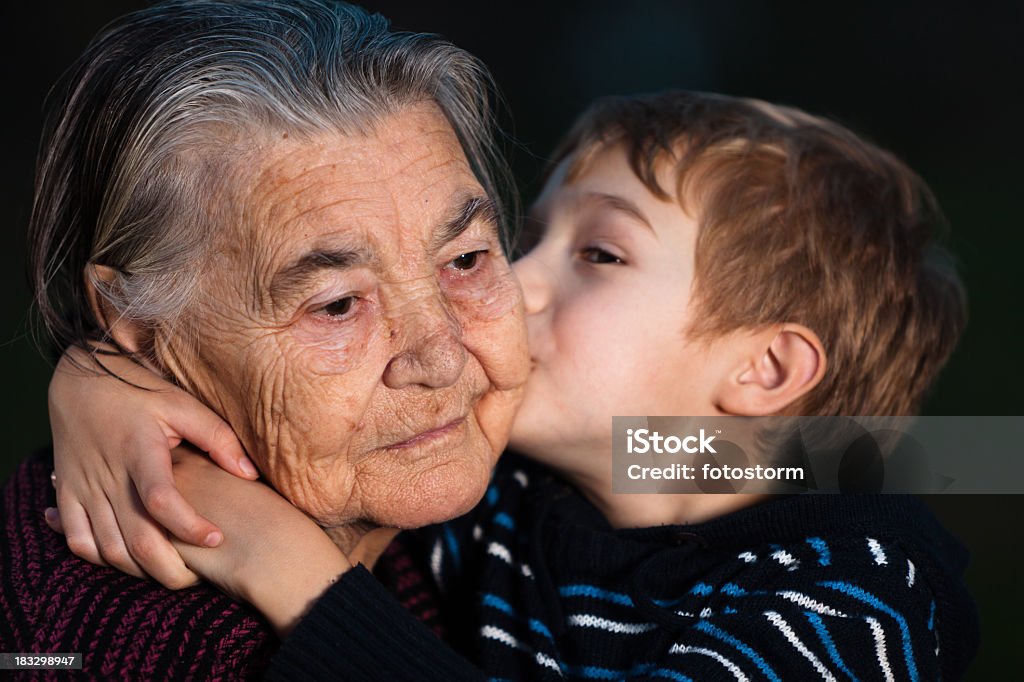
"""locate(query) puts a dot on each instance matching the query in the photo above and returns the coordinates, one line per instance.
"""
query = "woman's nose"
(535, 280)
(431, 352)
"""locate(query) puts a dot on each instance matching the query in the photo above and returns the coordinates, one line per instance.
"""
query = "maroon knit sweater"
(131, 629)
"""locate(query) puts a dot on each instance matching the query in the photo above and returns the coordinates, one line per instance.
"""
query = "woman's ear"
(783, 364)
(129, 335)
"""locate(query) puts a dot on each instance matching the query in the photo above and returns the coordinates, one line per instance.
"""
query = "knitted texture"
(131, 629)
(126, 628)
(539, 586)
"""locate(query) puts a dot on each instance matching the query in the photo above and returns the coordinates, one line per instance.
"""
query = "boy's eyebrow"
(619, 203)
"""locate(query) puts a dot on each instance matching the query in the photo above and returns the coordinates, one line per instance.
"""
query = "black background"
(941, 84)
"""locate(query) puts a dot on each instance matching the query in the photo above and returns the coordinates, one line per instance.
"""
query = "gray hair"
(125, 177)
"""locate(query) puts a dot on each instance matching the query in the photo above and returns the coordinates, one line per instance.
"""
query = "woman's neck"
(362, 543)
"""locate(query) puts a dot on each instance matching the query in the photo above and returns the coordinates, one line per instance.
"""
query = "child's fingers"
(201, 426)
(77, 530)
(154, 482)
(150, 547)
(52, 517)
(110, 542)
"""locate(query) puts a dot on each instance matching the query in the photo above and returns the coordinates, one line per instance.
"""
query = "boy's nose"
(535, 280)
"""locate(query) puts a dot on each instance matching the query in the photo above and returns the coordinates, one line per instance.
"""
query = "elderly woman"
(294, 214)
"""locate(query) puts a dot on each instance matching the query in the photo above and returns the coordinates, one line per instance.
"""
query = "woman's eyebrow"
(472, 209)
(292, 277)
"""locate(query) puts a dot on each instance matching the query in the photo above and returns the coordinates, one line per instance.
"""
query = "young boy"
(697, 255)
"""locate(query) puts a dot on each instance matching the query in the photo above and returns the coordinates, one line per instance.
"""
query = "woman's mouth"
(430, 435)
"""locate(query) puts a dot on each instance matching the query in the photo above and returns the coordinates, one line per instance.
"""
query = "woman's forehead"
(390, 187)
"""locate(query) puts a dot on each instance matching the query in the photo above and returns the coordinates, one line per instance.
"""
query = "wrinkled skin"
(370, 363)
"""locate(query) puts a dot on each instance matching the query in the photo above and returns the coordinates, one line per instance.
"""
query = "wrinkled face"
(361, 329)
(608, 301)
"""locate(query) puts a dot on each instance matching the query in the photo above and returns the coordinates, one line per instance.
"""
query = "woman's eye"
(338, 308)
(466, 261)
(593, 254)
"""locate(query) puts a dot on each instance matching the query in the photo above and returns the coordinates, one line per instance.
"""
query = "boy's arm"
(336, 621)
(115, 491)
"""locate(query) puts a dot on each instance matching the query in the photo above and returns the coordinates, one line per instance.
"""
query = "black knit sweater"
(537, 585)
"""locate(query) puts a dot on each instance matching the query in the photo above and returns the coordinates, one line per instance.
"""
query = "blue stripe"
(702, 589)
(496, 602)
(671, 675)
(596, 593)
(503, 519)
(762, 665)
(868, 598)
(540, 628)
(830, 646)
(733, 590)
(931, 616)
(820, 546)
(593, 672)
(667, 603)
(453, 544)
(492, 496)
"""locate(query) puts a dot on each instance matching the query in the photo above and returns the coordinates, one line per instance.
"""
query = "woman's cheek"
(336, 346)
(483, 295)
(490, 311)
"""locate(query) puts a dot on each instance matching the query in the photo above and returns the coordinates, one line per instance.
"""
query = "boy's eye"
(338, 308)
(593, 254)
(466, 261)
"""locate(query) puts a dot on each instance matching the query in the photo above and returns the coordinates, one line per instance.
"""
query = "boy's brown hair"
(800, 221)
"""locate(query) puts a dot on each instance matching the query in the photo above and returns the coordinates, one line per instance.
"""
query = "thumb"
(202, 427)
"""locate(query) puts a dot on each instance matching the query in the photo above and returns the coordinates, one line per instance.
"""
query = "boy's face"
(608, 302)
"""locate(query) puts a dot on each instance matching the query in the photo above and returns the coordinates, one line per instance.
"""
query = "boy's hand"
(273, 555)
(112, 462)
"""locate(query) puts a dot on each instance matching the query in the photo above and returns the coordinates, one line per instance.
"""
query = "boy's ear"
(128, 335)
(781, 365)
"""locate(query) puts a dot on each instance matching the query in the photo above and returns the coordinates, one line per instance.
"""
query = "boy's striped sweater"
(537, 585)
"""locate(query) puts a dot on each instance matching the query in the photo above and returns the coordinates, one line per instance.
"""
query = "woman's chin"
(438, 494)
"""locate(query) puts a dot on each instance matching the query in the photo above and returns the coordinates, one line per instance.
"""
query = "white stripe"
(779, 622)
(911, 571)
(877, 552)
(684, 614)
(732, 667)
(808, 603)
(548, 662)
(499, 635)
(589, 620)
(748, 557)
(706, 612)
(525, 568)
(435, 562)
(521, 477)
(883, 659)
(786, 559)
(477, 532)
(501, 551)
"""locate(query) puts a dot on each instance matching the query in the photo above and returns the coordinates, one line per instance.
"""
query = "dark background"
(941, 84)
